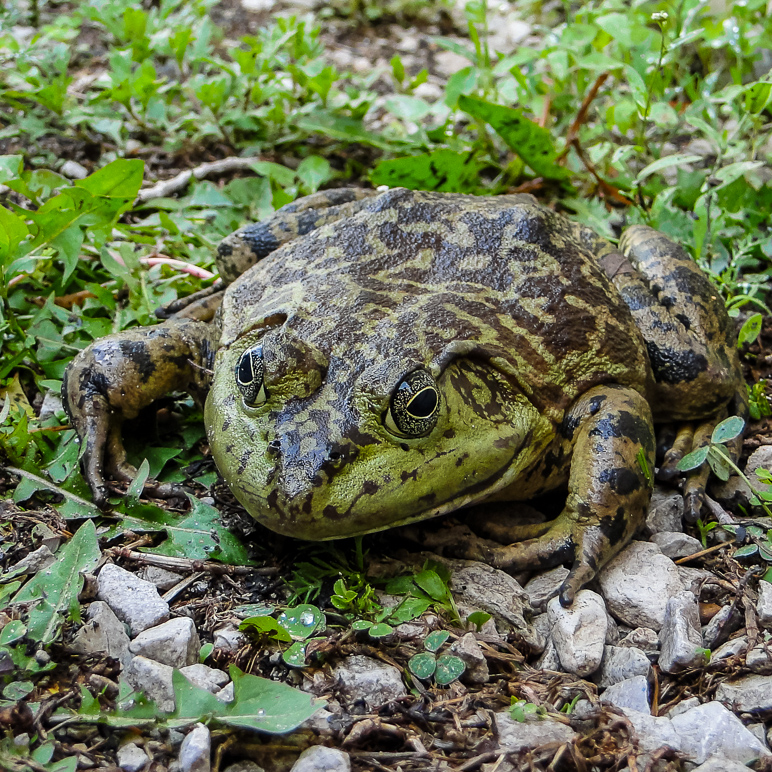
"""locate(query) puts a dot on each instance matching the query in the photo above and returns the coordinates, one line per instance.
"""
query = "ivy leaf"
(693, 460)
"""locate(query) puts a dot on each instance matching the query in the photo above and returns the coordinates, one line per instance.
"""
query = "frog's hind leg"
(246, 246)
(691, 346)
(609, 488)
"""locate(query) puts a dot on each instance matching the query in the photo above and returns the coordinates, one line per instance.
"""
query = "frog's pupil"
(423, 404)
(246, 373)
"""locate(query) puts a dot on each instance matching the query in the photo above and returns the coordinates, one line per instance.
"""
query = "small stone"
(175, 643)
(154, 679)
(516, 736)
(621, 663)
(51, 405)
(103, 633)
(133, 600)
(74, 170)
(449, 62)
(683, 706)
(195, 751)
(164, 580)
(229, 639)
(675, 544)
(681, 635)
(759, 659)
(653, 732)
(693, 578)
(764, 604)
(131, 758)
(469, 652)
(722, 625)
(720, 764)
(227, 693)
(666, 511)
(545, 586)
(579, 632)
(711, 730)
(205, 677)
(320, 758)
(244, 766)
(362, 678)
(549, 659)
(747, 694)
(35, 561)
(730, 648)
(320, 723)
(637, 584)
(632, 693)
(643, 638)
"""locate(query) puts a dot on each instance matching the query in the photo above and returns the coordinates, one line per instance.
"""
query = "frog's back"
(434, 276)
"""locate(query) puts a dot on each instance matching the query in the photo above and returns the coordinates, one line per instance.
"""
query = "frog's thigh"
(608, 491)
(684, 324)
(246, 246)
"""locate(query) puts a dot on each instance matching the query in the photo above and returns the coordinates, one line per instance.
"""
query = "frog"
(373, 359)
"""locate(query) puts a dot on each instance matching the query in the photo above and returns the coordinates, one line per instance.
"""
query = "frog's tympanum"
(382, 359)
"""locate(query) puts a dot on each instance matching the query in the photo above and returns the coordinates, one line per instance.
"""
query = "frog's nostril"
(274, 447)
(335, 455)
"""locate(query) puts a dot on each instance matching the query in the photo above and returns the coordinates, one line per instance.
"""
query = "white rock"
(621, 663)
(666, 511)
(579, 632)
(675, 544)
(51, 405)
(320, 723)
(747, 694)
(196, 749)
(74, 170)
(761, 458)
(164, 580)
(643, 638)
(764, 604)
(154, 679)
(653, 732)
(244, 766)
(175, 643)
(543, 587)
(683, 706)
(681, 634)
(206, 677)
(724, 622)
(632, 693)
(693, 578)
(227, 693)
(712, 730)
(759, 659)
(469, 652)
(720, 764)
(131, 758)
(549, 659)
(449, 62)
(36, 560)
(133, 600)
(229, 639)
(637, 584)
(516, 736)
(103, 633)
(363, 678)
(320, 758)
(730, 648)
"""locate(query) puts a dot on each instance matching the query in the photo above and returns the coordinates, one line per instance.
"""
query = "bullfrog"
(380, 358)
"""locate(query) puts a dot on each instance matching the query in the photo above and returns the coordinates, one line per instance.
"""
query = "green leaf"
(267, 706)
(677, 159)
(361, 624)
(432, 585)
(18, 690)
(13, 231)
(720, 463)
(749, 331)
(693, 460)
(121, 178)
(314, 171)
(295, 656)
(138, 483)
(380, 630)
(758, 96)
(11, 167)
(443, 170)
(530, 141)
(748, 551)
(56, 588)
(12, 632)
(435, 639)
(449, 668)
(478, 619)
(728, 429)
(264, 625)
(422, 665)
(302, 621)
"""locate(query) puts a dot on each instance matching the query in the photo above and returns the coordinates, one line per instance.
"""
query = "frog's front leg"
(119, 375)
(608, 491)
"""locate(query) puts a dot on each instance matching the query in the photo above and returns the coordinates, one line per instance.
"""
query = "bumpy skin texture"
(545, 352)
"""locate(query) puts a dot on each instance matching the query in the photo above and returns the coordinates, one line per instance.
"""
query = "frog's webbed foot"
(116, 377)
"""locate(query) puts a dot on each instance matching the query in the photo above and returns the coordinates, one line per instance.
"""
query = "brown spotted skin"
(538, 338)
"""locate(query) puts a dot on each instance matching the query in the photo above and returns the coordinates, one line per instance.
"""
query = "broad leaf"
(443, 170)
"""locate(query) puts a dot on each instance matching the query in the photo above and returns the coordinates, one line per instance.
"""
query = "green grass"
(673, 132)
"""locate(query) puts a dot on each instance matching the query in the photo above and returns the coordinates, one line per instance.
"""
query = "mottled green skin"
(547, 369)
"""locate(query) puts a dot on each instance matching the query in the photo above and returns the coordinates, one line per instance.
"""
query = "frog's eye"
(249, 376)
(414, 406)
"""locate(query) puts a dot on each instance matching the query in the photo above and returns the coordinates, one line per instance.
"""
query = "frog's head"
(325, 445)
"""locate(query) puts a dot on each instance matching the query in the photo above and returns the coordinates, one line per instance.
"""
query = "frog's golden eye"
(414, 406)
(249, 376)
